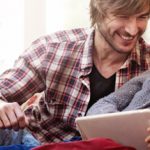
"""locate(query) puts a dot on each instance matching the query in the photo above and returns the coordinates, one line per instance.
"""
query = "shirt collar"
(86, 60)
(135, 55)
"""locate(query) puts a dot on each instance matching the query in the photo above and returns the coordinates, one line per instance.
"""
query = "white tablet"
(128, 128)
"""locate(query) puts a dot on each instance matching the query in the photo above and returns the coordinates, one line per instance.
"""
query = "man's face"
(121, 32)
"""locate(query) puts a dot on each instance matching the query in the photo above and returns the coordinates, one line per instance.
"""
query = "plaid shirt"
(59, 66)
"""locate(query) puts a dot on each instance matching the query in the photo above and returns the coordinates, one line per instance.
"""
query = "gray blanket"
(135, 94)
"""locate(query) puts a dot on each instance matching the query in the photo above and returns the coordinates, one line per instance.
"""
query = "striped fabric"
(59, 65)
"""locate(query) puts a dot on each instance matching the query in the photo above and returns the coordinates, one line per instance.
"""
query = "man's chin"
(125, 50)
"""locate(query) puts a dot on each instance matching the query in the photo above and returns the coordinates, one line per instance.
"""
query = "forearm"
(101, 107)
(141, 99)
(20, 83)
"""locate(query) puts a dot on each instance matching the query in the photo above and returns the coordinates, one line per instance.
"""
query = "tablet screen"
(128, 128)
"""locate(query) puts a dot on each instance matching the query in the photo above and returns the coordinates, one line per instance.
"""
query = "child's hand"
(147, 139)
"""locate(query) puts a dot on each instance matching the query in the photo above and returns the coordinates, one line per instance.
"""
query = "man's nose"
(131, 27)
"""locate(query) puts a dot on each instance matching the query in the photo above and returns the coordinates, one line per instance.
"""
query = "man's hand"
(147, 140)
(11, 116)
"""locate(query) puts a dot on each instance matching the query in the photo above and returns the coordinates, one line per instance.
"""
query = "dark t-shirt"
(100, 86)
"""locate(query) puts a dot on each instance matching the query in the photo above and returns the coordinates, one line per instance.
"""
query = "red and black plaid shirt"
(59, 65)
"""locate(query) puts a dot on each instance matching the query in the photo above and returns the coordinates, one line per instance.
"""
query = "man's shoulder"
(72, 35)
(76, 35)
(144, 54)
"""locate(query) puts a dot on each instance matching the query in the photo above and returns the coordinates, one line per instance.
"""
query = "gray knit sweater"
(135, 94)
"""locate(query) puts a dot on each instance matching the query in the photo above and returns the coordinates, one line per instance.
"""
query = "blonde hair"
(100, 8)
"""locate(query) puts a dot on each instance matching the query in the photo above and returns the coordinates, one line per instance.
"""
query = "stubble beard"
(112, 44)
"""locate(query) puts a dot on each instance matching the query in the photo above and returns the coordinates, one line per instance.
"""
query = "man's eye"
(144, 17)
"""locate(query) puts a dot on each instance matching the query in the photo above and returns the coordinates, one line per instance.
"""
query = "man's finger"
(5, 121)
(1, 124)
(20, 117)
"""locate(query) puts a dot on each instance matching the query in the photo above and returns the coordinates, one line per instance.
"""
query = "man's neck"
(106, 60)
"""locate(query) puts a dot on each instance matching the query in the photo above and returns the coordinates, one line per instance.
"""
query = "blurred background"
(23, 21)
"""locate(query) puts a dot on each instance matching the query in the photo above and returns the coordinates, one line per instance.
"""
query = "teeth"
(127, 37)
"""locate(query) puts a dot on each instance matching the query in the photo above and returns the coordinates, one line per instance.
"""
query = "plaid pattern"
(137, 62)
(59, 66)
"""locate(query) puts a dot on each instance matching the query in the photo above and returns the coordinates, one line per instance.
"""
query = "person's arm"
(141, 98)
(19, 84)
(121, 98)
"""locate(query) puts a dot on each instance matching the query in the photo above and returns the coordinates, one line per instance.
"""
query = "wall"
(47, 16)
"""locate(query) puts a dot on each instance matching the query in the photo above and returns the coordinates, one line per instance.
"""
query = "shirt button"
(79, 114)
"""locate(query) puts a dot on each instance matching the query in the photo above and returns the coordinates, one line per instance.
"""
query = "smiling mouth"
(127, 38)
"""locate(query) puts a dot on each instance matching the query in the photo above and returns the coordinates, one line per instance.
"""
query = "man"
(74, 69)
